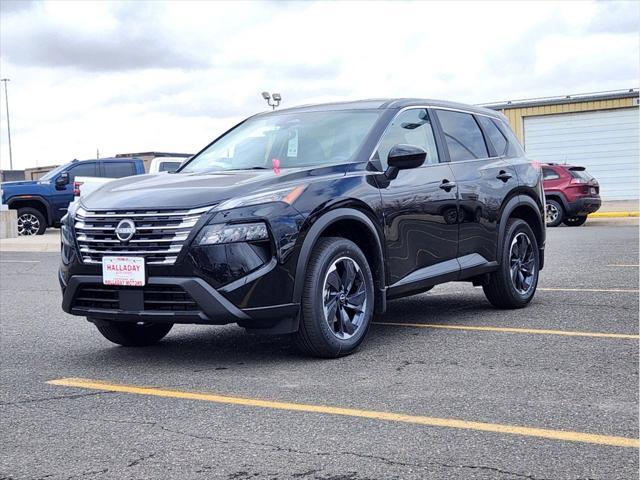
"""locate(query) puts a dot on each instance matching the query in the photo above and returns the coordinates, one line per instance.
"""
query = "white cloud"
(137, 76)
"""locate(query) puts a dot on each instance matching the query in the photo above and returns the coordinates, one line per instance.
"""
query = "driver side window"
(411, 127)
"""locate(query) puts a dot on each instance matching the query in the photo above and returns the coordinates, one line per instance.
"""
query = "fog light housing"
(231, 233)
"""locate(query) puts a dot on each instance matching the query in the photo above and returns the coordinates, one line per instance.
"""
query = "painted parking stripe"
(603, 290)
(352, 412)
(19, 261)
(534, 331)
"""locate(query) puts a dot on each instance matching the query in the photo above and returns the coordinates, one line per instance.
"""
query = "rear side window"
(549, 174)
(169, 166)
(82, 170)
(513, 146)
(496, 137)
(463, 135)
(118, 169)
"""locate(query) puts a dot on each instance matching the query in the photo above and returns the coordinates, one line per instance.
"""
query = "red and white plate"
(123, 271)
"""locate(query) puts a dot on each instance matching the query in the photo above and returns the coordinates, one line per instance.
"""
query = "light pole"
(276, 99)
(6, 101)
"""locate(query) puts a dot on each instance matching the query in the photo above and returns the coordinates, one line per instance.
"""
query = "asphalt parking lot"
(547, 392)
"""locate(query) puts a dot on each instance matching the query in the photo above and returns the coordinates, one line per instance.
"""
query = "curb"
(614, 214)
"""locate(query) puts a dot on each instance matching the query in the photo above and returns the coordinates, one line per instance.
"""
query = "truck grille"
(159, 234)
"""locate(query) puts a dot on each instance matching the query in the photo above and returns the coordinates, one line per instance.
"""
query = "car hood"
(8, 185)
(191, 190)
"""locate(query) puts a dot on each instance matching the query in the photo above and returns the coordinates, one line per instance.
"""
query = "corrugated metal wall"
(609, 151)
(516, 115)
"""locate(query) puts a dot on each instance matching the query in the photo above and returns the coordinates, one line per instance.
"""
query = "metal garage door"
(605, 142)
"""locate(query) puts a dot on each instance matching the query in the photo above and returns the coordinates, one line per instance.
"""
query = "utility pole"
(6, 101)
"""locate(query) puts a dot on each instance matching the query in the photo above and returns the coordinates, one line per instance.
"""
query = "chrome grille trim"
(160, 234)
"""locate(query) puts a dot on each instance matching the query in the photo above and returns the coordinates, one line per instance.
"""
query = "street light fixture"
(272, 100)
(6, 99)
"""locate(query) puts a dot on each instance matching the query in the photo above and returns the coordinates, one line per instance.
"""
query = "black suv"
(306, 221)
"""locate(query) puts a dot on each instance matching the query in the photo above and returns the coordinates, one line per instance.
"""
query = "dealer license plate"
(125, 271)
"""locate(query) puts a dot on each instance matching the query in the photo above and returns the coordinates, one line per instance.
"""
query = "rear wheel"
(514, 284)
(575, 221)
(132, 334)
(337, 299)
(31, 222)
(554, 213)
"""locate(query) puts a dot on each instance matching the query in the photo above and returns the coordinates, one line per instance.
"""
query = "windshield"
(53, 173)
(288, 140)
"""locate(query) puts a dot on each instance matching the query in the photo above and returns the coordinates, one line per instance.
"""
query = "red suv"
(571, 194)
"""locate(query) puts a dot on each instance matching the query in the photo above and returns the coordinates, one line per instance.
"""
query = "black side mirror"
(62, 180)
(403, 157)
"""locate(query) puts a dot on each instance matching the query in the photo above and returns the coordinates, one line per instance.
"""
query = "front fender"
(315, 232)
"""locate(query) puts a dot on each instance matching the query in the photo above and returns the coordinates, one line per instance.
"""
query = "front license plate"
(125, 271)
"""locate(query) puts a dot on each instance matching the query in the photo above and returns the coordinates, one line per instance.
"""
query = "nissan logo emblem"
(125, 230)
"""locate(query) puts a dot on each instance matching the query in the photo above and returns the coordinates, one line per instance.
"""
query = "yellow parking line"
(612, 290)
(568, 333)
(351, 412)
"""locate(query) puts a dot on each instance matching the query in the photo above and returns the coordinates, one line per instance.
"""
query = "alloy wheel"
(551, 213)
(522, 263)
(28, 224)
(344, 298)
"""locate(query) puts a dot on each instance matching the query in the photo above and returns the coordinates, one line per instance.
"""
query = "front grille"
(171, 298)
(159, 236)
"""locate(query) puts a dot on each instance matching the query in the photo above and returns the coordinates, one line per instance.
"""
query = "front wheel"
(337, 299)
(31, 222)
(132, 334)
(575, 221)
(514, 284)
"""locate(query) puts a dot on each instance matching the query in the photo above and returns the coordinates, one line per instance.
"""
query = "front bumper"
(165, 300)
(583, 206)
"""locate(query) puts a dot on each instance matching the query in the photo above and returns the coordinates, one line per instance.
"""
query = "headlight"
(241, 232)
(66, 237)
(285, 195)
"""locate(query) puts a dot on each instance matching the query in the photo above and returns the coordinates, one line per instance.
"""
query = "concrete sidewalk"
(49, 242)
(618, 208)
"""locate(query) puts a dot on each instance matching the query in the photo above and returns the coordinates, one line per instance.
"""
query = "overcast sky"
(139, 76)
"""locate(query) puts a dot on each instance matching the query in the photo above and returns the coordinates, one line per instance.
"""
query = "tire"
(132, 334)
(575, 221)
(31, 222)
(505, 290)
(554, 213)
(336, 312)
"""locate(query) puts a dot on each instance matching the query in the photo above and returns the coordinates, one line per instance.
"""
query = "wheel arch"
(352, 224)
(32, 201)
(525, 208)
(558, 196)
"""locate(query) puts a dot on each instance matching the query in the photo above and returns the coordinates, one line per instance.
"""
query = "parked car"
(83, 186)
(307, 221)
(165, 164)
(42, 203)
(571, 193)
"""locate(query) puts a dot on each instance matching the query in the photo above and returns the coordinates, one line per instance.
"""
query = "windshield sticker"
(292, 148)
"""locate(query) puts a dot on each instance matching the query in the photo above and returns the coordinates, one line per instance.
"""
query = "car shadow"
(223, 347)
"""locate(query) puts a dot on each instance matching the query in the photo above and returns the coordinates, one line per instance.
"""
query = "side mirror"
(403, 157)
(62, 181)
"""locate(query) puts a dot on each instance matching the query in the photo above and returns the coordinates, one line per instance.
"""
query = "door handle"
(504, 176)
(446, 185)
